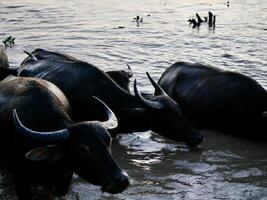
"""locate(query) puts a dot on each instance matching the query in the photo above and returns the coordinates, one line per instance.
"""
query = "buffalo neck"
(132, 120)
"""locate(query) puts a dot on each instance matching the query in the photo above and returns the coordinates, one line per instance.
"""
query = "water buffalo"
(121, 77)
(5, 70)
(212, 98)
(40, 143)
(3, 57)
(80, 80)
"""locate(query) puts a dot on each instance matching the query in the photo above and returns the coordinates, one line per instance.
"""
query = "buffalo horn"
(41, 136)
(151, 104)
(112, 121)
(158, 89)
(129, 67)
(129, 71)
(30, 55)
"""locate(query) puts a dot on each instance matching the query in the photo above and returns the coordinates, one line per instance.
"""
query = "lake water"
(104, 34)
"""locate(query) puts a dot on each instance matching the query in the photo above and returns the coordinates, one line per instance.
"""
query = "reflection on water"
(224, 167)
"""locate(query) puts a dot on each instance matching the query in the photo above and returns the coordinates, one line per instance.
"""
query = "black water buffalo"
(121, 77)
(212, 98)
(41, 143)
(80, 80)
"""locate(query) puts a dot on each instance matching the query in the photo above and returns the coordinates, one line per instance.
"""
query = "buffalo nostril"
(118, 182)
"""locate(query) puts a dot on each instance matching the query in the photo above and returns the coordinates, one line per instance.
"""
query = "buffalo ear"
(264, 114)
(46, 153)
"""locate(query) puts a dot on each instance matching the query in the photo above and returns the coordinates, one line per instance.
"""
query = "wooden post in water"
(199, 20)
(210, 19)
(214, 20)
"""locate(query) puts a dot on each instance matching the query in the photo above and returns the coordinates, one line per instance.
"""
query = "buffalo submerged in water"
(3, 58)
(40, 143)
(80, 80)
(5, 70)
(212, 98)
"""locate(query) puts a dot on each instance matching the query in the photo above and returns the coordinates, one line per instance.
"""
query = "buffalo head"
(85, 147)
(122, 77)
(165, 117)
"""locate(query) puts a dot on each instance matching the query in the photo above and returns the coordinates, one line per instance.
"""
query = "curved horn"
(30, 55)
(129, 67)
(129, 71)
(42, 136)
(112, 121)
(158, 89)
(151, 104)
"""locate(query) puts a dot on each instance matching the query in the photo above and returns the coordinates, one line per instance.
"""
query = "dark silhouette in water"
(210, 19)
(135, 113)
(138, 19)
(196, 23)
(9, 42)
(212, 98)
(199, 20)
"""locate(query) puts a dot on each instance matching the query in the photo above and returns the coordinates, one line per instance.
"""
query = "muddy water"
(103, 33)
